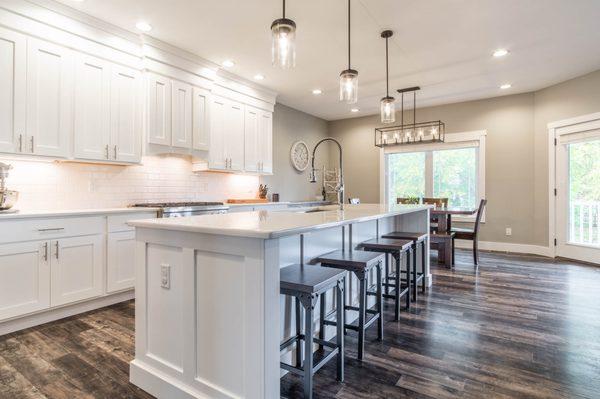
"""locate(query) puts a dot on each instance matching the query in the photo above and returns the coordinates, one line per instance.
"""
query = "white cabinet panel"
(234, 135)
(125, 116)
(251, 140)
(13, 73)
(76, 268)
(217, 158)
(120, 272)
(181, 124)
(24, 278)
(159, 109)
(265, 142)
(201, 119)
(49, 99)
(92, 108)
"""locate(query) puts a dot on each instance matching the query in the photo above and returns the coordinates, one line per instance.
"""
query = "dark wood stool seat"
(307, 284)
(398, 249)
(360, 263)
(417, 238)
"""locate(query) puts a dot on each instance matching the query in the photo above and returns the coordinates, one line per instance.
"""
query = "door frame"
(591, 121)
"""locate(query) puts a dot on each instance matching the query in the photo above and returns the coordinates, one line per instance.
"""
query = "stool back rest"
(479, 214)
(354, 201)
(438, 202)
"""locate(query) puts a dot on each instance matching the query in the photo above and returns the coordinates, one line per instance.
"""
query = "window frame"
(472, 139)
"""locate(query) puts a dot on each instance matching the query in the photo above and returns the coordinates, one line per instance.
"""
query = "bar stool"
(416, 238)
(306, 284)
(398, 249)
(360, 263)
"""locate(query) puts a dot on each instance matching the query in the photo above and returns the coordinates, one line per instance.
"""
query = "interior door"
(159, 109)
(182, 115)
(120, 271)
(49, 99)
(76, 268)
(24, 278)
(234, 139)
(578, 195)
(13, 73)
(218, 112)
(125, 116)
(251, 139)
(92, 108)
(265, 143)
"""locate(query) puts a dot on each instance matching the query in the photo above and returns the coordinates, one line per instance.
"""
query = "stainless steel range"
(181, 209)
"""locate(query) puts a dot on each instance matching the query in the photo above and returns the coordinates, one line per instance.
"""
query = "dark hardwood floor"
(519, 327)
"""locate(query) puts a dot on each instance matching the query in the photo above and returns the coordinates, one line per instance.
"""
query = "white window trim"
(453, 140)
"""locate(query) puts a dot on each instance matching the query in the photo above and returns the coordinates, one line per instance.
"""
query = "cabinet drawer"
(17, 230)
(117, 223)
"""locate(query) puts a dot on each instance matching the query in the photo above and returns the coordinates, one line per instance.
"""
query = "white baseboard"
(507, 247)
(47, 316)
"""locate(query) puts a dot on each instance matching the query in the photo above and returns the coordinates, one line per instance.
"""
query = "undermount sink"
(313, 210)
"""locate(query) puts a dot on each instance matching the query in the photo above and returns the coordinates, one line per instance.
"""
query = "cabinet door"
(49, 99)
(76, 269)
(24, 278)
(216, 155)
(234, 138)
(120, 267)
(92, 108)
(125, 116)
(159, 109)
(251, 139)
(201, 119)
(181, 125)
(265, 142)
(13, 73)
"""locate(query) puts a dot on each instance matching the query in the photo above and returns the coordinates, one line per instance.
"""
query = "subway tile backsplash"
(46, 185)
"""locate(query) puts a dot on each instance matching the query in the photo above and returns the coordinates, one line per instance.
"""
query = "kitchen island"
(209, 316)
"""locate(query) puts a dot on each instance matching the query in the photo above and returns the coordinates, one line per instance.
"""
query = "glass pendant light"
(349, 77)
(388, 105)
(283, 46)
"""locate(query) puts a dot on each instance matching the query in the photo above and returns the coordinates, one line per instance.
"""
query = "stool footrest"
(300, 370)
(290, 341)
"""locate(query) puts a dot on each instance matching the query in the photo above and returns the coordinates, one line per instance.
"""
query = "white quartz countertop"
(72, 212)
(299, 203)
(278, 223)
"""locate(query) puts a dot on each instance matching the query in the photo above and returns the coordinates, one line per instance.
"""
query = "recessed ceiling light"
(143, 26)
(506, 86)
(228, 63)
(354, 110)
(501, 52)
(316, 92)
(258, 76)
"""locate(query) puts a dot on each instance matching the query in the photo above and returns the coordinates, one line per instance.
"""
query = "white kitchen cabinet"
(49, 99)
(24, 278)
(76, 268)
(126, 115)
(251, 139)
(159, 109)
(13, 74)
(217, 157)
(92, 108)
(265, 142)
(201, 119)
(234, 135)
(120, 271)
(181, 114)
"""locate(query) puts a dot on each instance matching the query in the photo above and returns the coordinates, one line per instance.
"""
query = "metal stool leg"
(308, 353)
(361, 316)
(398, 260)
(379, 303)
(298, 332)
(387, 273)
(340, 329)
(408, 270)
(423, 260)
(414, 271)
(322, 319)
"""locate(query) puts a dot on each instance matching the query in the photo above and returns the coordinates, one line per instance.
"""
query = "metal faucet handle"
(312, 176)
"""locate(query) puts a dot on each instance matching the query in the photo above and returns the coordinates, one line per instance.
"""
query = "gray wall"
(290, 125)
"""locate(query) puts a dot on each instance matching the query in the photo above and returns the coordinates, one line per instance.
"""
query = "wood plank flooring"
(518, 327)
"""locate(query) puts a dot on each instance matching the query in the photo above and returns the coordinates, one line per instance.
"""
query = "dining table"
(443, 237)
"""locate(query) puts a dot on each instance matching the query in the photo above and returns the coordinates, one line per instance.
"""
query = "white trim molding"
(507, 247)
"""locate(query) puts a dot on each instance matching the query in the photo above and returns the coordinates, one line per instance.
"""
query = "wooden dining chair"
(470, 234)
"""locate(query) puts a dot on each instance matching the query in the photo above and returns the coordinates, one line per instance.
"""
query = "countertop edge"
(79, 212)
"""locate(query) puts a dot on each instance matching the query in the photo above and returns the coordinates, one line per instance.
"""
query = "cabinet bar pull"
(51, 229)
(45, 252)
(115, 152)
(32, 146)
(20, 143)
(56, 249)
(106, 149)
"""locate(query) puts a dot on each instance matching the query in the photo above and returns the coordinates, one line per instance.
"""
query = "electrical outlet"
(165, 276)
(508, 231)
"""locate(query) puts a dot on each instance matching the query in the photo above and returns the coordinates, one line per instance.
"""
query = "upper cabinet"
(126, 114)
(226, 135)
(13, 74)
(159, 109)
(201, 119)
(258, 137)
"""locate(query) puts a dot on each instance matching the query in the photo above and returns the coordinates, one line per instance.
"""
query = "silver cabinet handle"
(106, 150)
(51, 229)
(32, 145)
(45, 252)
(115, 152)
(20, 143)
(56, 253)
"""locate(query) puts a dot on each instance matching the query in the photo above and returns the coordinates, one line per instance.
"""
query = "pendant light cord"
(387, 76)
(349, 35)
(284, 9)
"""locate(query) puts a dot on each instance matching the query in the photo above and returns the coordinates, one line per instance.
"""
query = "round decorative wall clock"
(299, 155)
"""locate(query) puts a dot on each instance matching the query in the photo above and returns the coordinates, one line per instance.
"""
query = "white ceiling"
(444, 46)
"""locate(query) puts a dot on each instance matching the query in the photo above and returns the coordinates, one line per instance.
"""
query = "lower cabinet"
(76, 268)
(120, 267)
(24, 278)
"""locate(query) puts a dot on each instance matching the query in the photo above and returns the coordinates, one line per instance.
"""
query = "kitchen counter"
(72, 212)
(209, 315)
(287, 203)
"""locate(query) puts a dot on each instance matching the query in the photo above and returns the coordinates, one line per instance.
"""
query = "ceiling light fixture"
(283, 44)
(506, 86)
(388, 107)
(501, 52)
(228, 63)
(349, 77)
(316, 92)
(143, 26)
(258, 76)
(354, 110)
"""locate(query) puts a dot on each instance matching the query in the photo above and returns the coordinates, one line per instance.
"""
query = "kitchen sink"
(313, 210)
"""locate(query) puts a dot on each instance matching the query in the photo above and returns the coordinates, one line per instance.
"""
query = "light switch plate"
(165, 276)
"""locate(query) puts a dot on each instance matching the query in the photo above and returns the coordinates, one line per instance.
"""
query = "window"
(454, 170)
